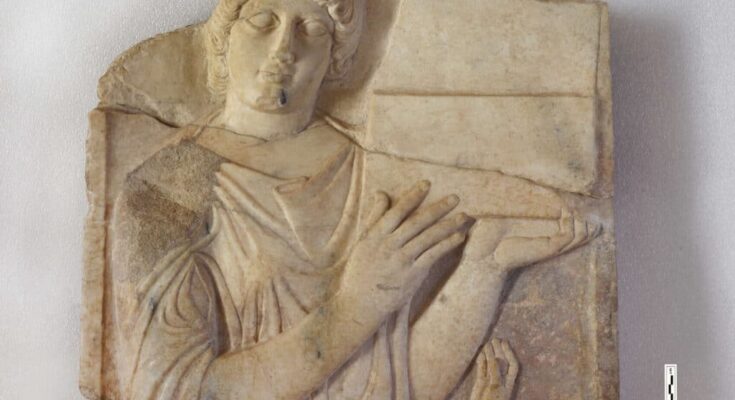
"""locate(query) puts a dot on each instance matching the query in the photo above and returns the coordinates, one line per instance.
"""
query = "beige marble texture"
(342, 199)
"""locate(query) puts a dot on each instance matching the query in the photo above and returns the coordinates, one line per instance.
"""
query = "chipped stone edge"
(95, 234)
(605, 137)
(111, 84)
(607, 363)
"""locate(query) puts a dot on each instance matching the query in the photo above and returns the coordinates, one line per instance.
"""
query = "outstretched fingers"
(405, 205)
(496, 372)
(435, 234)
(492, 353)
(439, 250)
(579, 234)
(566, 230)
(519, 251)
(584, 232)
(423, 219)
(481, 375)
(381, 204)
(510, 358)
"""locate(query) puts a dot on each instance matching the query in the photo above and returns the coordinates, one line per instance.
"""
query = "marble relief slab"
(349, 199)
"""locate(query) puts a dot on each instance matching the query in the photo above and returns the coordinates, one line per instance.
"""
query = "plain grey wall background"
(674, 83)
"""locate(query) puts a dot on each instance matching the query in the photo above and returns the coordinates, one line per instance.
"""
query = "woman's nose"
(283, 53)
(284, 56)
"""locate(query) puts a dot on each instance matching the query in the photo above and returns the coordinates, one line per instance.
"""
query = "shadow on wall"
(663, 315)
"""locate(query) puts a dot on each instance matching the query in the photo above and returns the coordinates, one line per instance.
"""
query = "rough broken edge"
(606, 166)
(606, 293)
(95, 234)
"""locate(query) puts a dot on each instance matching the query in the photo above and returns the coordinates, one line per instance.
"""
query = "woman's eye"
(314, 28)
(263, 21)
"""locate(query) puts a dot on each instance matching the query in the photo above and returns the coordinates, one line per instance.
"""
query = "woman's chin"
(271, 105)
(268, 104)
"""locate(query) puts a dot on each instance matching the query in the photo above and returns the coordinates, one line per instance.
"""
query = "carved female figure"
(286, 264)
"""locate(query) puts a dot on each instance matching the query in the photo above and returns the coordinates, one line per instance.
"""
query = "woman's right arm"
(384, 270)
(294, 364)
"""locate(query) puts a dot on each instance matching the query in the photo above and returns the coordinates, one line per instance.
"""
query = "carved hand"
(496, 241)
(394, 256)
(489, 382)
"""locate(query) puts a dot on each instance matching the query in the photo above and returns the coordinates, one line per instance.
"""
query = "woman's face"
(279, 53)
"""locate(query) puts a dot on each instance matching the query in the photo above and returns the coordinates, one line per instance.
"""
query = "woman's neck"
(244, 120)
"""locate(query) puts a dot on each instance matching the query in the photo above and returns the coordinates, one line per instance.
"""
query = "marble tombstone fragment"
(355, 199)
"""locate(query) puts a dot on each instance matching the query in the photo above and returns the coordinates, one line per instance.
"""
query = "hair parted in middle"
(348, 16)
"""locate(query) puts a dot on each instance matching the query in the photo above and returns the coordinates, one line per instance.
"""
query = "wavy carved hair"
(348, 22)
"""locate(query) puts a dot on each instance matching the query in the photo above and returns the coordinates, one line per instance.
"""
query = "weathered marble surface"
(227, 237)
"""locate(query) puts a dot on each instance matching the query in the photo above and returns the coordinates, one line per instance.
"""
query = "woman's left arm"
(447, 335)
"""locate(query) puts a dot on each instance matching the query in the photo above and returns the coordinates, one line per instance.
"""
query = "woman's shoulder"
(182, 172)
(162, 204)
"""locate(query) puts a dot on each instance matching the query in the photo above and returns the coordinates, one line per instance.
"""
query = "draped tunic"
(272, 254)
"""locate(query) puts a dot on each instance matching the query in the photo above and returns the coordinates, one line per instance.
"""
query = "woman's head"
(273, 55)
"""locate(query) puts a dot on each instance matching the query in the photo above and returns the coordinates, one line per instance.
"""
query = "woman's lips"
(275, 77)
